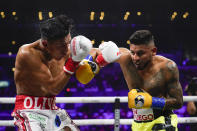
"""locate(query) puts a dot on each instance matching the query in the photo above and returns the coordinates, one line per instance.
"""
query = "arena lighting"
(139, 13)
(128, 42)
(4, 84)
(93, 41)
(173, 17)
(133, 25)
(40, 15)
(13, 42)
(13, 69)
(68, 89)
(13, 13)
(175, 13)
(185, 15)
(102, 15)
(126, 15)
(50, 14)
(2, 15)
(9, 53)
(92, 16)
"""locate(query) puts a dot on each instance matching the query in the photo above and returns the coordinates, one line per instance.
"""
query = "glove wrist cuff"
(158, 103)
(70, 66)
(101, 61)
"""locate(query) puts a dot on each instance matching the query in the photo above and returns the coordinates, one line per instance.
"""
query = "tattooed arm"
(129, 70)
(174, 89)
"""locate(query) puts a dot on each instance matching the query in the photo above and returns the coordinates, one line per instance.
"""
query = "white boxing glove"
(109, 53)
(80, 47)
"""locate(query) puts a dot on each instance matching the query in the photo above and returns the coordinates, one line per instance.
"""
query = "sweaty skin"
(39, 74)
(160, 78)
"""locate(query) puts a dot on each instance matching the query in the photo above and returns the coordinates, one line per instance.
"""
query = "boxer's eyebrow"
(140, 52)
(137, 52)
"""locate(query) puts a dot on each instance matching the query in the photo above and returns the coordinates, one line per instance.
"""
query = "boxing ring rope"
(123, 99)
(117, 120)
(82, 122)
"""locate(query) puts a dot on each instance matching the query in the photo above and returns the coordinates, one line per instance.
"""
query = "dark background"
(175, 39)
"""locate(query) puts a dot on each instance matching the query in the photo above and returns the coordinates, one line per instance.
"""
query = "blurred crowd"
(109, 82)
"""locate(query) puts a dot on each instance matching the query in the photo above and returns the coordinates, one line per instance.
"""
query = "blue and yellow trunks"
(147, 126)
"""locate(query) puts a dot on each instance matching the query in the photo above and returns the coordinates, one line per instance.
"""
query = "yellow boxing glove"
(139, 100)
(87, 70)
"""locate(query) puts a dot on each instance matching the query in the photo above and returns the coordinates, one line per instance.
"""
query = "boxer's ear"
(154, 51)
(44, 43)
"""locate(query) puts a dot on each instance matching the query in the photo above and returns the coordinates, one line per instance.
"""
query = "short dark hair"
(141, 37)
(56, 28)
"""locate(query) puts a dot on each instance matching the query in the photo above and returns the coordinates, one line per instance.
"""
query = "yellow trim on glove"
(84, 73)
(133, 96)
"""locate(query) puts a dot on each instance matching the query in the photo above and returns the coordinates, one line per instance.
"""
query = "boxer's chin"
(139, 67)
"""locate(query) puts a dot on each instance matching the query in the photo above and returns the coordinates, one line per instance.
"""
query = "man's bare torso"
(24, 74)
(153, 78)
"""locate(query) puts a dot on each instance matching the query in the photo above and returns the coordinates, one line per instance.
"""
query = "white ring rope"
(83, 122)
(123, 99)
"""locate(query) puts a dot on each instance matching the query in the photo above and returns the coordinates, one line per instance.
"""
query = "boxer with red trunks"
(42, 69)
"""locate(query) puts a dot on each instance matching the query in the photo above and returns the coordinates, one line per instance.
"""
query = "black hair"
(141, 37)
(56, 28)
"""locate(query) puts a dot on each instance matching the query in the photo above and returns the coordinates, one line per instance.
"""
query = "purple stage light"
(185, 61)
(113, 25)
(100, 25)
(133, 25)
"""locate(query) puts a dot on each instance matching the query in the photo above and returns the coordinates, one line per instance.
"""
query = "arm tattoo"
(173, 73)
(175, 99)
(137, 81)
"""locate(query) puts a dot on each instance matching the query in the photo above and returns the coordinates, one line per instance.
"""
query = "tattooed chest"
(155, 84)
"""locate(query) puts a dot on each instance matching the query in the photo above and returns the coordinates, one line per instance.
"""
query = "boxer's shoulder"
(28, 55)
(27, 49)
(124, 51)
(164, 63)
(125, 56)
(168, 67)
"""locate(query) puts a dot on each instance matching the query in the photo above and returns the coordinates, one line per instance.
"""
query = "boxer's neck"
(46, 54)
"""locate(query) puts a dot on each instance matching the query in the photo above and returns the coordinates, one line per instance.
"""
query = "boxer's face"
(59, 48)
(142, 55)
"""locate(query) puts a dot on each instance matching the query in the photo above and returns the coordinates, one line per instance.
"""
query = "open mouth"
(137, 64)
